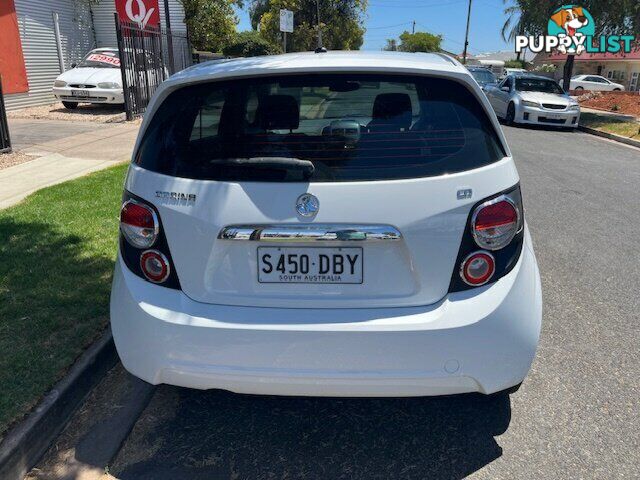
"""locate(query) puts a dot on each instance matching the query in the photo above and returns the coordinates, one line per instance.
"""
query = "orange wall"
(12, 69)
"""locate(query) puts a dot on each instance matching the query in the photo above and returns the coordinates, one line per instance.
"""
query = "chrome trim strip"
(310, 233)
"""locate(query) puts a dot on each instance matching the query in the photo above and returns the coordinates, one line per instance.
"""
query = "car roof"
(310, 62)
(530, 75)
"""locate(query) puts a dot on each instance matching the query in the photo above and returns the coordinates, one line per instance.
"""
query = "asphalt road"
(576, 416)
(26, 133)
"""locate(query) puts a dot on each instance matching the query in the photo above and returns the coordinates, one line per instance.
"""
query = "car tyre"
(70, 105)
(578, 89)
(511, 114)
(616, 90)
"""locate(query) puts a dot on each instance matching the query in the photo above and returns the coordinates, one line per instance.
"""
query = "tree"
(515, 63)
(250, 44)
(392, 45)
(611, 17)
(417, 42)
(341, 22)
(211, 23)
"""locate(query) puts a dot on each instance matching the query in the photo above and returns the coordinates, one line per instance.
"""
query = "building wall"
(104, 22)
(35, 23)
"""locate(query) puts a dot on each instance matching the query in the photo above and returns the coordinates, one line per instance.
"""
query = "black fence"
(5, 140)
(147, 57)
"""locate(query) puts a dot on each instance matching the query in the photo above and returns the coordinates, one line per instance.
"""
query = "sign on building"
(146, 13)
(286, 21)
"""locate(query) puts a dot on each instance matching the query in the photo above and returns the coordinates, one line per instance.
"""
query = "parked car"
(483, 76)
(317, 225)
(96, 79)
(594, 83)
(534, 100)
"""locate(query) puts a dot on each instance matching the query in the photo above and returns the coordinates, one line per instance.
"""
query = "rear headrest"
(393, 106)
(278, 112)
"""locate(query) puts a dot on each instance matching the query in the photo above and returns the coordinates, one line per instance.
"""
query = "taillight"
(495, 223)
(478, 268)
(140, 229)
(155, 266)
(139, 224)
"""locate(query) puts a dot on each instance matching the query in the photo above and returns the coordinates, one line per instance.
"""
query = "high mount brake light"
(478, 268)
(139, 224)
(494, 223)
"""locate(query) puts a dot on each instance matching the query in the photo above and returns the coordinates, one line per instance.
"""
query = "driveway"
(576, 416)
(27, 133)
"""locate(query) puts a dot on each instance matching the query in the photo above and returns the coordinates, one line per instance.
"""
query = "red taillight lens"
(478, 268)
(139, 224)
(495, 223)
(155, 266)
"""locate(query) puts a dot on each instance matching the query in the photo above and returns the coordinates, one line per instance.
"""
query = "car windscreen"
(319, 128)
(105, 59)
(538, 85)
(483, 76)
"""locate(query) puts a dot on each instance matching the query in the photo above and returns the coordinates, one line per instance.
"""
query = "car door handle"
(310, 233)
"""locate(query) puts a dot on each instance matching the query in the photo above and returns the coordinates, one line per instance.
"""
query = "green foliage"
(211, 23)
(546, 67)
(513, 63)
(416, 42)
(392, 45)
(250, 44)
(530, 17)
(341, 23)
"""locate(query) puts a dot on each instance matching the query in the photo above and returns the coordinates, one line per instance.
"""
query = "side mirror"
(505, 89)
(74, 65)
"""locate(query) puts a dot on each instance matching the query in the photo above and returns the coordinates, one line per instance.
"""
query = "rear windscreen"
(319, 128)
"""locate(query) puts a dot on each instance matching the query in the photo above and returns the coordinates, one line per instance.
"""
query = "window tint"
(483, 76)
(344, 127)
(538, 85)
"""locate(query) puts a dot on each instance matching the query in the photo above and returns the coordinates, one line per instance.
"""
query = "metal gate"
(147, 57)
(5, 140)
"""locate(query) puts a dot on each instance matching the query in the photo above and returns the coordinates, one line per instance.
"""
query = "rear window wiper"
(305, 167)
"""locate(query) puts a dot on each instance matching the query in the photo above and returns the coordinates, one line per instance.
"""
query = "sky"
(389, 18)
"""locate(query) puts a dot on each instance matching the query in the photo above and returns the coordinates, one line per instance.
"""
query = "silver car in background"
(532, 99)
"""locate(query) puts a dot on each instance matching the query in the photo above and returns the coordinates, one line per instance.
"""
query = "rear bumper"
(476, 341)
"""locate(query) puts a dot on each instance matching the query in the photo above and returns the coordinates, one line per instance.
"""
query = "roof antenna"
(320, 48)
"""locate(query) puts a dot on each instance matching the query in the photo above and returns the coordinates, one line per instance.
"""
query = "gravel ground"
(84, 112)
(14, 158)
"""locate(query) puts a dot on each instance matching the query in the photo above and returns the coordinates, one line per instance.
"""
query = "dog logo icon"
(574, 22)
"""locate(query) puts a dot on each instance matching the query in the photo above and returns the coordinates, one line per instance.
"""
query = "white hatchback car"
(96, 79)
(331, 224)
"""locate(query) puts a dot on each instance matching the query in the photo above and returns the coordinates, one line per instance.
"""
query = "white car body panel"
(400, 333)
(476, 341)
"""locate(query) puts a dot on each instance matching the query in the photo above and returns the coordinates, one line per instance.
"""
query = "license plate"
(553, 116)
(309, 265)
(79, 93)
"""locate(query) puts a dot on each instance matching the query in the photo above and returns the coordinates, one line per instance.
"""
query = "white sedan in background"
(96, 79)
(533, 99)
(595, 83)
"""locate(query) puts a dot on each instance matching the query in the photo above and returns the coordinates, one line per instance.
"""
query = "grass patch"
(57, 252)
(611, 125)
